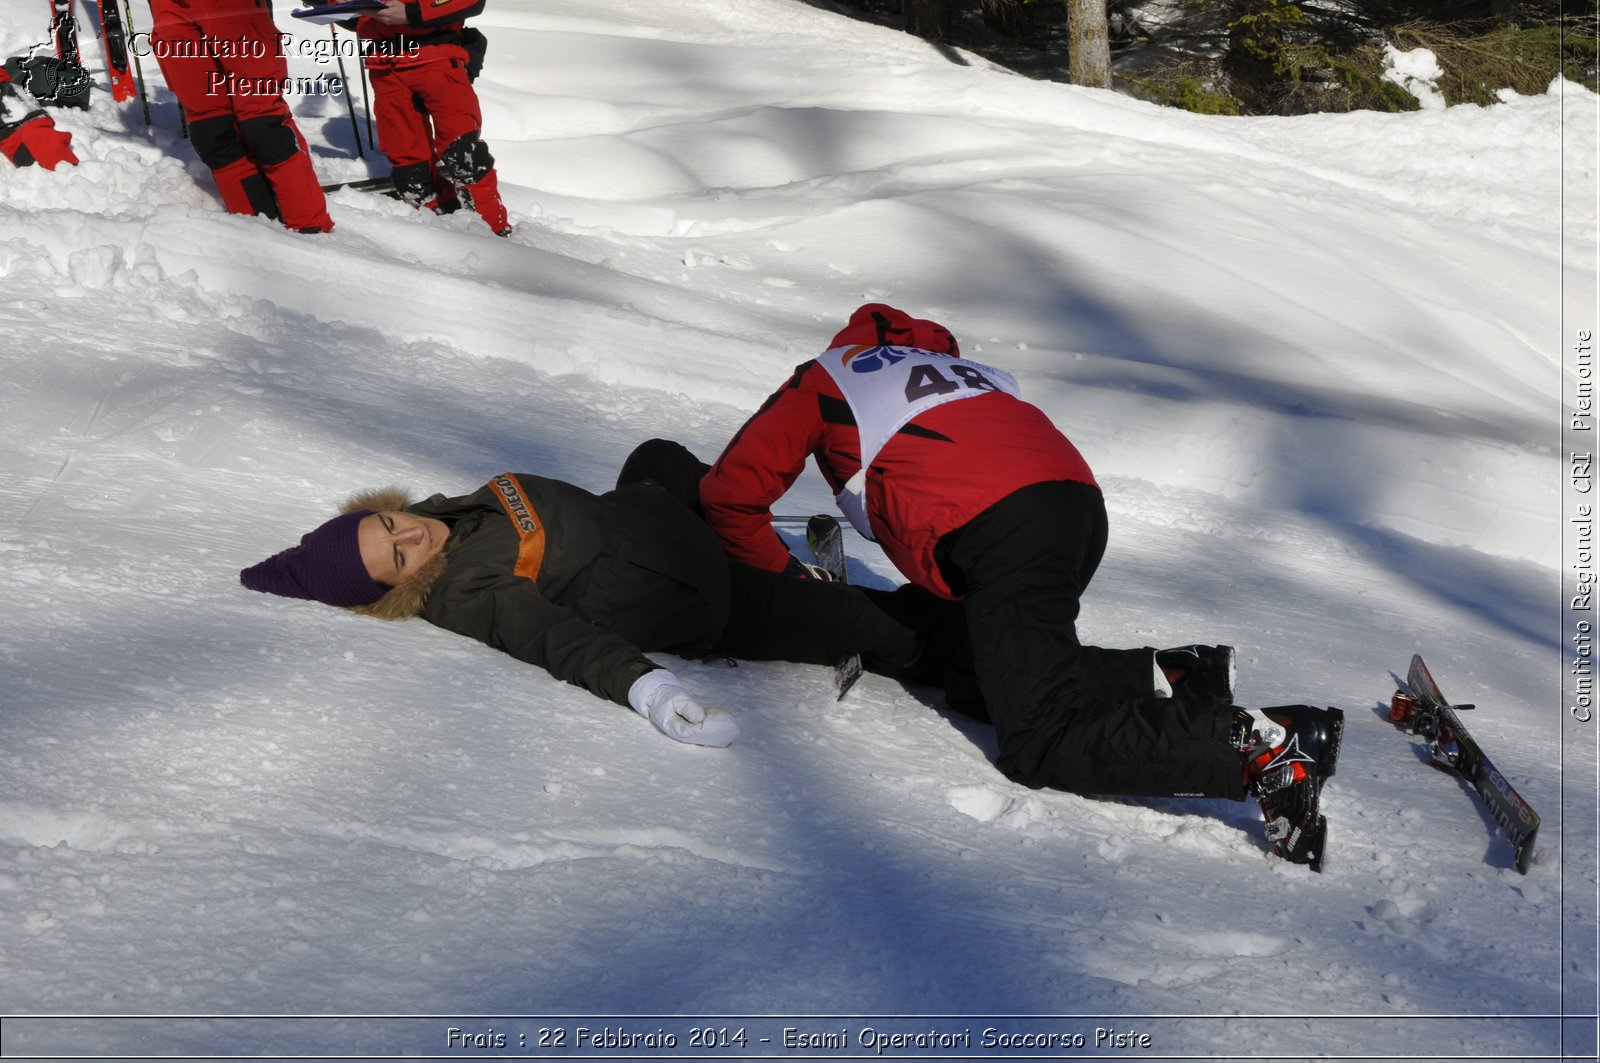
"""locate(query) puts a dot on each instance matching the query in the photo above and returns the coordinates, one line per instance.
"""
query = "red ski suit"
(940, 470)
(974, 493)
(223, 60)
(429, 121)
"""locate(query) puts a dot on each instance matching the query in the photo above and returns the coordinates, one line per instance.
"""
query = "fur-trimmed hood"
(569, 581)
(403, 601)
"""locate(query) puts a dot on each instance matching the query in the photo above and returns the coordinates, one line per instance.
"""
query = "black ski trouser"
(782, 618)
(775, 617)
(1069, 716)
(670, 466)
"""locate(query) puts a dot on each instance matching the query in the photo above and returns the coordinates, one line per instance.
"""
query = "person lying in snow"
(980, 501)
(583, 585)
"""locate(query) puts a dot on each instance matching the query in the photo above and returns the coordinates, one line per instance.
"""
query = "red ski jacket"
(429, 24)
(935, 472)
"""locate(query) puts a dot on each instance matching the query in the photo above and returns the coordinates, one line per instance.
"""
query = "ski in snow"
(60, 81)
(826, 540)
(64, 32)
(382, 185)
(1419, 706)
(114, 39)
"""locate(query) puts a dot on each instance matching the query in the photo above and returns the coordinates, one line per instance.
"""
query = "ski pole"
(138, 68)
(349, 101)
(366, 103)
(183, 118)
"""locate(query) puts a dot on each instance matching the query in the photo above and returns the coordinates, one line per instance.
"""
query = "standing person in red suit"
(224, 61)
(429, 122)
(982, 503)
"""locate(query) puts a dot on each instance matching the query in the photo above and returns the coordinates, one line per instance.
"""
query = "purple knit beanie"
(326, 567)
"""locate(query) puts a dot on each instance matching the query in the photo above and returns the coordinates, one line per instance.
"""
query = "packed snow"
(1418, 72)
(1319, 364)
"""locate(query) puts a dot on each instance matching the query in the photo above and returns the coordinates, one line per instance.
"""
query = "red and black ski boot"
(1289, 752)
(1315, 732)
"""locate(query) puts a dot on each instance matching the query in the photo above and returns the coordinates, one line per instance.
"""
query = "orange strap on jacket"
(530, 554)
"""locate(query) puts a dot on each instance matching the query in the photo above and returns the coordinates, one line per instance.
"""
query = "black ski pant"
(783, 618)
(1070, 716)
(775, 617)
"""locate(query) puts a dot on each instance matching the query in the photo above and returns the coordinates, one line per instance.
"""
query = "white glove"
(659, 697)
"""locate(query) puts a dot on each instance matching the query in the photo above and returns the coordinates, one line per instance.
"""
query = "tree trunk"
(1009, 17)
(1088, 44)
(927, 18)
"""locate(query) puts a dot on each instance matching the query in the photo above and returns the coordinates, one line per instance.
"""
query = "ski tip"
(826, 540)
(820, 524)
(1423, 685)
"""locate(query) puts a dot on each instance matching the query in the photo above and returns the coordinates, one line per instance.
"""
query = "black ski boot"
(1315, 732)
(1289, 752)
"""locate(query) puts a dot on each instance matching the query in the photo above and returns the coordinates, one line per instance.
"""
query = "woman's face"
(395, 544)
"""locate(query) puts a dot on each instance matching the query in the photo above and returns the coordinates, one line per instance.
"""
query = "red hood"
(879, 323)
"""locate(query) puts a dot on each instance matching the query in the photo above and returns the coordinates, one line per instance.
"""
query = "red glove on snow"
(37, 140)
(27, 134)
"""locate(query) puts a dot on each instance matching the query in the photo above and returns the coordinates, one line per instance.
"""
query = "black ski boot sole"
(1317, 842)
(1309, 845)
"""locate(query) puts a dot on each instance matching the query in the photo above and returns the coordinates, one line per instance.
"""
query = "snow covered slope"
(1318, 364)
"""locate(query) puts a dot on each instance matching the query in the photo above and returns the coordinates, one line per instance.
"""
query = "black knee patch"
(216, 141)
(467, 161)
(413, 183)
(269, 138)
(258, 190)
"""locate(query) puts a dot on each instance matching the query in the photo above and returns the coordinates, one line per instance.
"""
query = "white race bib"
(888, 386)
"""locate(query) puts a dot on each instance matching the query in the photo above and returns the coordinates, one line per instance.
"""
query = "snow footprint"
(988, 805)
(1402, 916)
(31, 826)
